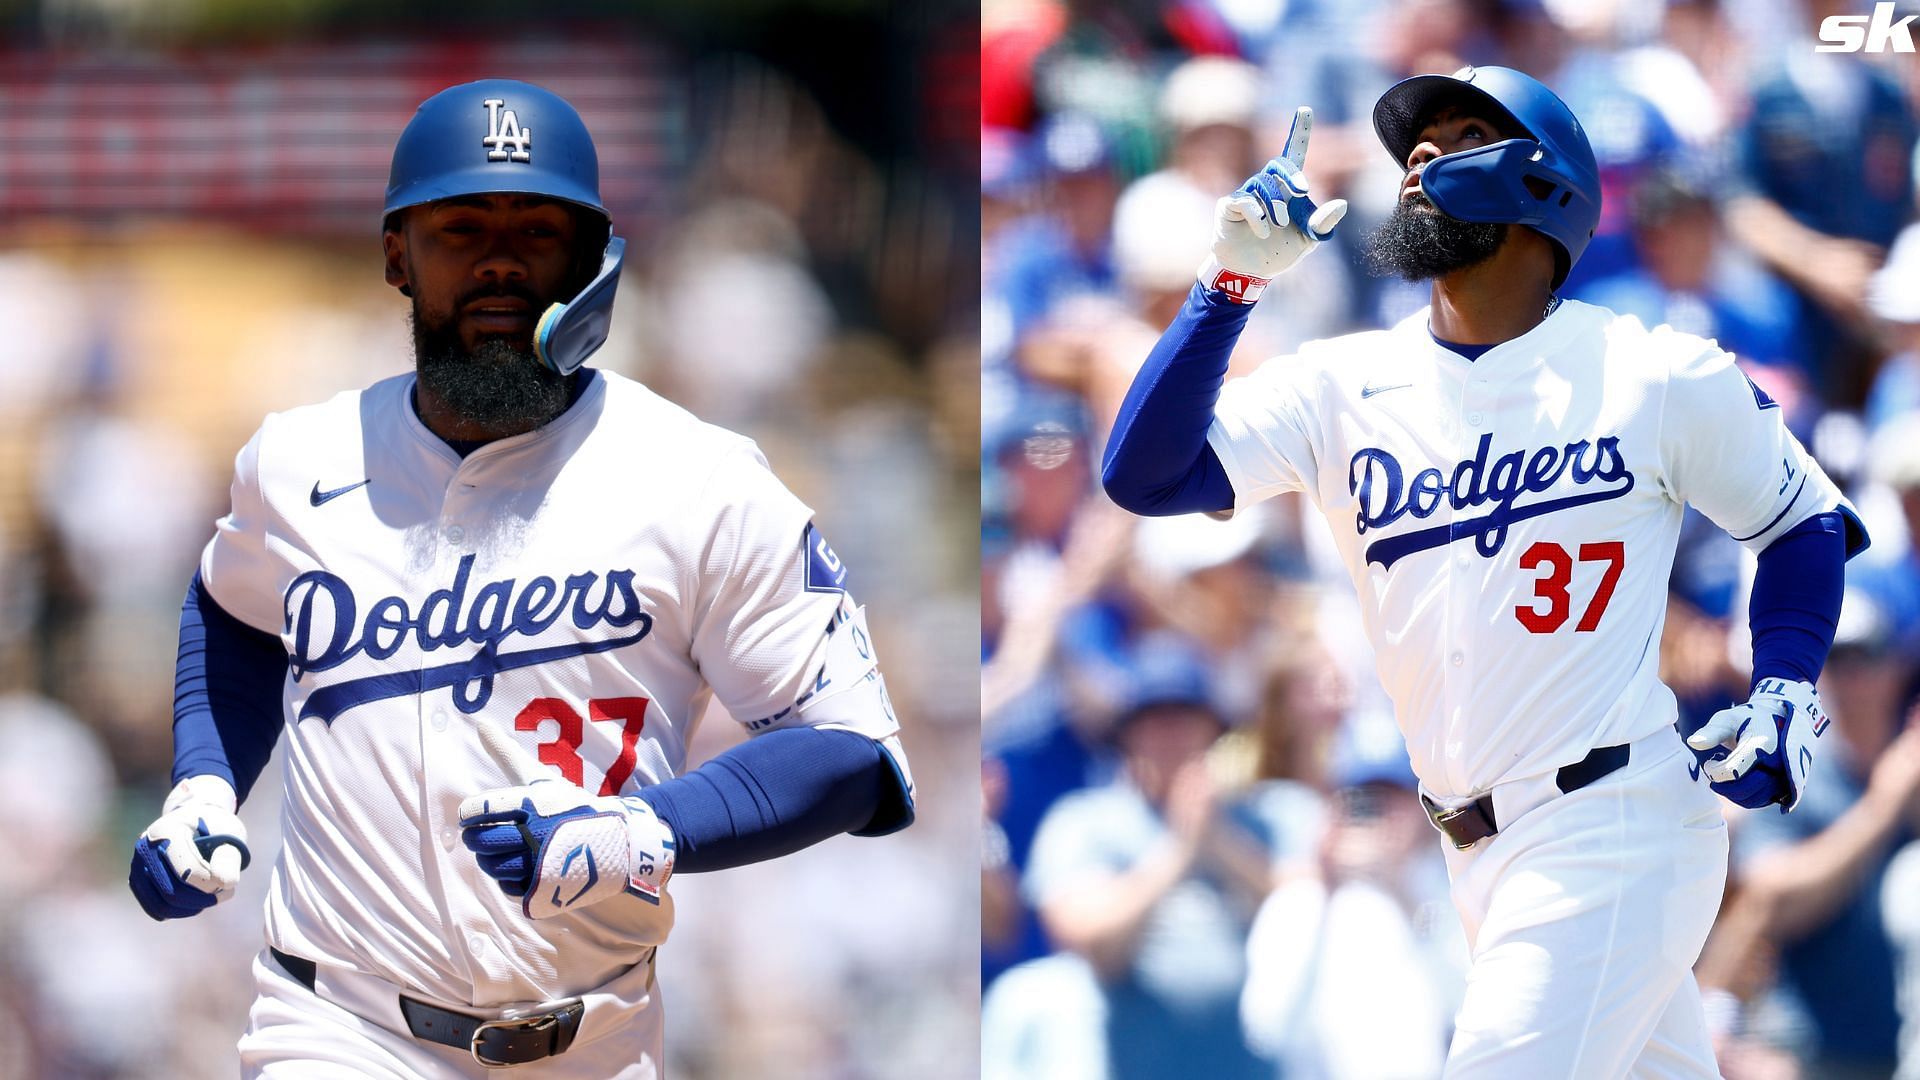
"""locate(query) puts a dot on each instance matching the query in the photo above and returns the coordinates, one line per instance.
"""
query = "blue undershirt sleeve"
(1157, 461)
(227, 685)
(775, 794)
(1796, 599)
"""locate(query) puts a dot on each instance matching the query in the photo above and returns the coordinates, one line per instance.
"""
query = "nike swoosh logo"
(1369, 391)
(318, 497)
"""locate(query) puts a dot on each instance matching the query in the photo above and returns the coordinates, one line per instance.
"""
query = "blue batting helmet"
(494, 136)
(505, 137)
(1547, 180)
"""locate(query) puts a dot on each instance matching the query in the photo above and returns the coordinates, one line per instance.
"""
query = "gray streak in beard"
(497, 385)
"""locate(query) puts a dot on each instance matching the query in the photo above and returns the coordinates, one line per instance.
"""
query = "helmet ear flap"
(1557, 196)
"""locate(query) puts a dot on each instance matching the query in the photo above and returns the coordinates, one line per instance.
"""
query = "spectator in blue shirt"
(1826, 159)
(1154, 878)
(1683, 276)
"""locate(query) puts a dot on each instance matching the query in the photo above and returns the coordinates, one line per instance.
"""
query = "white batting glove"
(190, 858)
(558, 848)
(1269, 223)
(1761, 753)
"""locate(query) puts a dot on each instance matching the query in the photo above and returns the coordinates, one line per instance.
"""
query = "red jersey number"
(1552, 586)
(563, 750)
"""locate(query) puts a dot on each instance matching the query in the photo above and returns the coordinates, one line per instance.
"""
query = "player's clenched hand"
(190, 858)
(1269, 223)
(558, 848)
(1761, 752)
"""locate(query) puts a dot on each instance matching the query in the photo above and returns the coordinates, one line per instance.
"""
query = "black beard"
(1418, 242)
(499, 385)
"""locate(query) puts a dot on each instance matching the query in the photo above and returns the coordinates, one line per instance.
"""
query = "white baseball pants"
(1584, 916)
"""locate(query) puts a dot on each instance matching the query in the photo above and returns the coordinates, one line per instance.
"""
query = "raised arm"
(1157, 460)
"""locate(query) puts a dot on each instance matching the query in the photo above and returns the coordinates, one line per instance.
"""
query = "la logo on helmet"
(504, 130)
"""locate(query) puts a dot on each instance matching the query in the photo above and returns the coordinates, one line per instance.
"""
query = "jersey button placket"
(443, 779)
(1465, 582)
(1476, 406)
(434, 713)
(454, 508)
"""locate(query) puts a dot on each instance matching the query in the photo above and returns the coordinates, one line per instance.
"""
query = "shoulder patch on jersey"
(1760, 398)
(825, 572)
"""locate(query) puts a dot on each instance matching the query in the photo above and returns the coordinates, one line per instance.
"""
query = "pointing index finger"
(1297, 136)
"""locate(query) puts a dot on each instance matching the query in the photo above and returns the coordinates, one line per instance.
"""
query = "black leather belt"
(494, 1043)
(1468, 825)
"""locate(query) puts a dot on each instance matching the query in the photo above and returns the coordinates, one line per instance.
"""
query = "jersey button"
(446, 839)
(456, 534)
(440, 721)
(1458, 658)
(1475, 418)
(477, 943)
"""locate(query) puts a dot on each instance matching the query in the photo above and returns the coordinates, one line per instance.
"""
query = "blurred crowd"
(814, 314)
(1203, 852)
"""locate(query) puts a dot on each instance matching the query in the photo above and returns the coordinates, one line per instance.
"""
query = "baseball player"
(488, 601)
(1504, 474)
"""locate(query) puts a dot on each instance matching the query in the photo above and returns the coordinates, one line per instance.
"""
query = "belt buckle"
(543, 1022)
(1443, 816)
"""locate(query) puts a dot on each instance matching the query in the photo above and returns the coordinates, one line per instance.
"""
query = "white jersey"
(561, 601)
(1510, 522)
